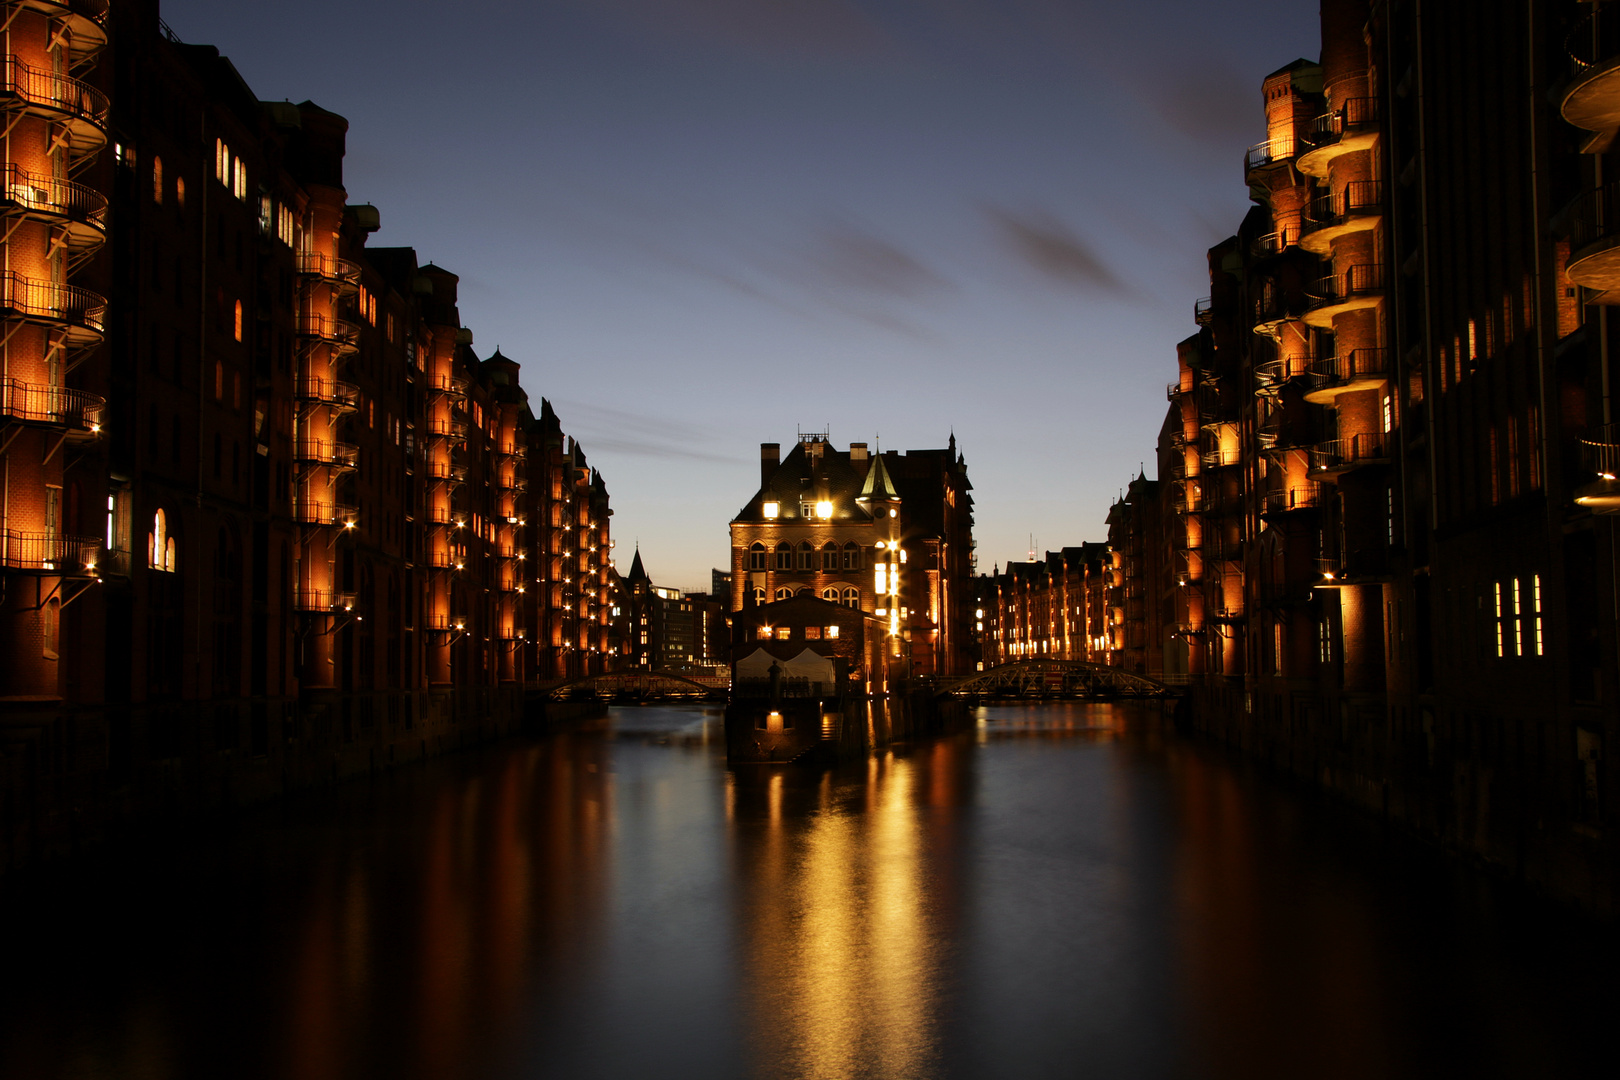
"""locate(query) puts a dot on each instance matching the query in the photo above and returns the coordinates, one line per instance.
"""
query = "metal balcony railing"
(44, 301)
(1353, 117)
(35, 403)
(1366, 279)
(323, 600)
(447, 470)
(1214, 459)
(447, 385)
(1593, 41)
(329, 268)
(55, 199)
(1288, 500)
(339, 455)
(1271, 152)
(1174, 390)
(59, 97)
(1358, 199)
(1601, 452)
(447, 429)
(333, 392)
(1203, 311)
(314, 512)
(50, 553)
(1285, 236)
(340, 333)
(1339, 453)
(1348, 368)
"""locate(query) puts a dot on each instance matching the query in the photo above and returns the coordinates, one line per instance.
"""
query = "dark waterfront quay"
(1065, 890)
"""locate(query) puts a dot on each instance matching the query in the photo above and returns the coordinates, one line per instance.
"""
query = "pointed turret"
(878, 485)
(637, 571)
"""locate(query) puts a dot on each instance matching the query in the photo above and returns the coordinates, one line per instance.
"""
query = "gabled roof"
(830, 475)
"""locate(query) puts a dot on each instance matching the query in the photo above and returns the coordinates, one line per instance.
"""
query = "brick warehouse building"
(835, 524)
(1388, 465)
(268, 518)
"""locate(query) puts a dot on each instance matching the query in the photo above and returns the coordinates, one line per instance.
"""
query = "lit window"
(1535, 610)
(812, 633)
(157, 180)
(773, 510)
(180, 192)
(852, 598)
(1499, 627)
(238, 320)
(764, 633)
(832, 631)
(783, 633)
(830, 594)
(824, 509)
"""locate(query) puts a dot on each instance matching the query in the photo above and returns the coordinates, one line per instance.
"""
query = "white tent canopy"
(807, 665)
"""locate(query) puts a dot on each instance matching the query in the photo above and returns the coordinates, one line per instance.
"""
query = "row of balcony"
(323, 600)
(1352, 126)
(50, 553)
(78, 412)
(62, 99)
(79, 314)
(1591, 97)
(81, 211)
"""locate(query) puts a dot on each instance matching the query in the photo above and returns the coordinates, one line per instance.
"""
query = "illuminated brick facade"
(269, 518)
(824, 522)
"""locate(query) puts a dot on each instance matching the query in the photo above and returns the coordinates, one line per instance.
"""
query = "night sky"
(704, 224)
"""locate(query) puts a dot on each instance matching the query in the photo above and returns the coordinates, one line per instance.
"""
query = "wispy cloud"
(637, 434)
(851, 257)
(1050, 247)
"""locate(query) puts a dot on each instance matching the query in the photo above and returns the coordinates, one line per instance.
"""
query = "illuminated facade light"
(773, 510)
(824, 509)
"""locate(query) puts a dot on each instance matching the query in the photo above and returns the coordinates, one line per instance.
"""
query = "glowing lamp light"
(461, 524)
(880, 581)
(1327, 575)
(893, 512)
(461, 626)
(1606, 476)
(824, 509)
(458, 566)
(348, 524)
(95, 429)
(773, 510)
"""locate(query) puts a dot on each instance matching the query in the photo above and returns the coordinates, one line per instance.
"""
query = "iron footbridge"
(1053, 679)
(639, 685)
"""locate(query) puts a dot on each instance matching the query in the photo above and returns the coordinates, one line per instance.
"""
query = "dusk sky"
(700, 225)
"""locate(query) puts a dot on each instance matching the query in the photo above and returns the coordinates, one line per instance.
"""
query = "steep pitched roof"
(636, 569)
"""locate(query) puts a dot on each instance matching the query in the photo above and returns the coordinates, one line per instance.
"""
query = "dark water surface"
(1063, 892)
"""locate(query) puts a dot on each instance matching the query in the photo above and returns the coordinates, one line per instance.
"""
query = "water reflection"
(1062, 890)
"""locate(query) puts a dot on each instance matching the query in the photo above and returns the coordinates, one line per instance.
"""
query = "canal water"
(1064, 891)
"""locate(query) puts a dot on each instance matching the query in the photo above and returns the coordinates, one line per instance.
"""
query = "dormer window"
(773, 509)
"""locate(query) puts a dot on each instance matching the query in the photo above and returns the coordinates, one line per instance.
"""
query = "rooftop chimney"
(770, 456)
(857, 451)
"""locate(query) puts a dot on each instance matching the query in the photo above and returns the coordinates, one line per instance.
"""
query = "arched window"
(829, 556)
(852, 556)
(830, 594)
(852, 598)
(784, 556)
(756, 557)
(160, 545)
(806, 554)
(157, 180)
(239, 320)
(784, 593)
(759, 595)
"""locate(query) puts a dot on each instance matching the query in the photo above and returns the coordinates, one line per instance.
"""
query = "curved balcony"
(1292, 500)
(323, 601)
(48, 553)
(61, 99)
(447, 385)
(1203, 311)
(1359, 287)
(1593, 224)
(1219, 459)
(328, 453)
(341, 274)
(1351, 127)
(1362, 369)
(1174, 391)
(85, 20)
(314, 512)
(1269, 377)
(80, 211)
(341, 334)
(79, 314)
(1272, 308)
(333, 393)
(1268, 155)
(1355, 209)
(78, 412)
(1283, 238)
(440, 428)
(453, 471)
(1341, 455)
(513, 481)
(1591, 98)
(1600, 455)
